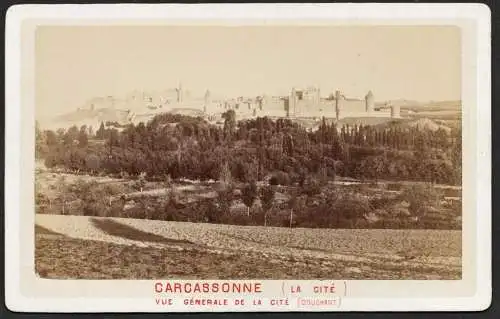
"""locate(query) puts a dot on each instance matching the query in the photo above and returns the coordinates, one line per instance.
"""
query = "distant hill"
(422, 105)
(373, 121)
(187, 111)
(89, 117)
(104, 114)
(437, 106)
(422, 123)
(403, 103)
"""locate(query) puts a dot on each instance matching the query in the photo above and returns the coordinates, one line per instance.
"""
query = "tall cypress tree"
(261, 148)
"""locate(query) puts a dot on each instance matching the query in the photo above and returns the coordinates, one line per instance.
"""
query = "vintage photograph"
(208, 152)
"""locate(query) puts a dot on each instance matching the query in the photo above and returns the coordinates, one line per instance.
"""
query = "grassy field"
(115, 248)
(93, 247)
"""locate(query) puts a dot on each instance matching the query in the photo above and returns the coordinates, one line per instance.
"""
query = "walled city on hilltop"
(301, 103)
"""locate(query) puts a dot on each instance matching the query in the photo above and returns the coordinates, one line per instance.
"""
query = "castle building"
(286, 102)
(311, 94)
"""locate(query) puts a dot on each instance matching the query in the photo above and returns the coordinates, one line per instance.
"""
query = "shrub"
(211, 212)
(237, 219)
(249, 195)
(116, 209)
(350, 209)
(112, 189)
(225, 199)
(456, 208)
(311, 187)
(380, 203)
(267, 199)
(273, 180)
(280, 178)
(50, 161)
(421, 196)
(140, 183)
(93, 209)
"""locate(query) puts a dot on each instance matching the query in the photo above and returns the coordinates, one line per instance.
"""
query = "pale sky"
(74, 64)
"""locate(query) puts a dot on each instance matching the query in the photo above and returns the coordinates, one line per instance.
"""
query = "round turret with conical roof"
(179, 93)
(292, 101)
(338, 104)
(207, 101)
(370, 102)
(395, 111)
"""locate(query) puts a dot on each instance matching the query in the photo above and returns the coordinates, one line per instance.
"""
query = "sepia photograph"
(248, 152)
(248, 158)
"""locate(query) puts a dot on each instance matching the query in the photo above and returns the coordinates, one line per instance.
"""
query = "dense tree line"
(187, 147)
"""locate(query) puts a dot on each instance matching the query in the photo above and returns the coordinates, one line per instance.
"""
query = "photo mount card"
(248, 158)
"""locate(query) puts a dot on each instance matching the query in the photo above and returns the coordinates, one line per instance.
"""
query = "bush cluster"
(417, 206)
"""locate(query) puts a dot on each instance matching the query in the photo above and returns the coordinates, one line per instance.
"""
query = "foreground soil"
(105, 248)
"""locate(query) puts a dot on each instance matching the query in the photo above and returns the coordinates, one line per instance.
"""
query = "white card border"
(15, 301)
